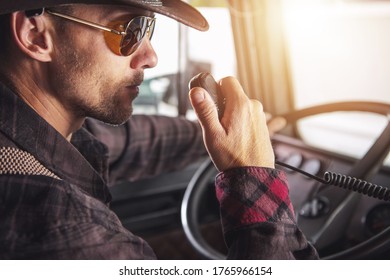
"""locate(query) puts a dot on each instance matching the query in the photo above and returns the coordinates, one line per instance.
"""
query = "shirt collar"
(83, 162)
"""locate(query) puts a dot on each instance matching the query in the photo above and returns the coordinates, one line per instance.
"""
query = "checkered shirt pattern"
(18, 162)
(257, 216)
(253, 195)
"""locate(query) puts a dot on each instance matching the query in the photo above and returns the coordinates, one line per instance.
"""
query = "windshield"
(339, 51)
(335, 51)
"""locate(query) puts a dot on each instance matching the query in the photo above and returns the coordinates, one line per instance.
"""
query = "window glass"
(182, 49)
(339, 51)
(157, 92)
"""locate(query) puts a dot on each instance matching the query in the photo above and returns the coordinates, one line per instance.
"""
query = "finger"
(234, 95)
(268, 116)
(276, 124)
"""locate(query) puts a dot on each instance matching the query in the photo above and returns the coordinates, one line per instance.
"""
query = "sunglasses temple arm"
(85, 22)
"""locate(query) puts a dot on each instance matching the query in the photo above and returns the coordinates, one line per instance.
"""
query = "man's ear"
(32, 36)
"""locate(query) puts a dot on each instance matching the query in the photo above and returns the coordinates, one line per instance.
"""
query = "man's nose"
(145, 56)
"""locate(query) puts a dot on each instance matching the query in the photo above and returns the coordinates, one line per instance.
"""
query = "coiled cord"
(346, 182)
(357, 185)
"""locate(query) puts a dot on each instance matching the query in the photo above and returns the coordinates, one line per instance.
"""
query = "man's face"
(86, 76)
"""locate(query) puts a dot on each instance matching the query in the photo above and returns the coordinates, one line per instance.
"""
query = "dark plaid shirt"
(54, 196)
(258, 217)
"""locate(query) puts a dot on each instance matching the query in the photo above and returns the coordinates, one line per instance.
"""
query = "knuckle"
(257, 105)
(228, 79)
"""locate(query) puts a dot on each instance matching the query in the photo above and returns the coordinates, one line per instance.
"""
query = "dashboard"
(358, 217)
(332, 218)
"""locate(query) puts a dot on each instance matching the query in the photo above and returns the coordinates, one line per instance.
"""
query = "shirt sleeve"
(257, 216)
(149, 145)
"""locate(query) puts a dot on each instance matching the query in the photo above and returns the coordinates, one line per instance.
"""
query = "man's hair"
(65, 9)
(5, 34)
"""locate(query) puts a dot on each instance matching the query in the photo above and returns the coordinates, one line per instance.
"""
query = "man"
(62, 64)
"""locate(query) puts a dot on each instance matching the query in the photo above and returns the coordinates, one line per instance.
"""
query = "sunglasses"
(122, 39)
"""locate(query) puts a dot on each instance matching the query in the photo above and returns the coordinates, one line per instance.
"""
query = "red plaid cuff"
(251, 195)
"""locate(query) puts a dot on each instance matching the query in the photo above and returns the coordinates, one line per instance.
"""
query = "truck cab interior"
(323, 65)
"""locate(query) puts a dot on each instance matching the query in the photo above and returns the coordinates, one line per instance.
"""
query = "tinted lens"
(150, 30)
(135, 31)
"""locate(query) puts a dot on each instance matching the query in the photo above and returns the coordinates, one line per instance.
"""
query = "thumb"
(205, 108)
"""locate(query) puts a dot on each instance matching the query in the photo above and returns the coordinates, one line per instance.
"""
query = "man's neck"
(43, 104)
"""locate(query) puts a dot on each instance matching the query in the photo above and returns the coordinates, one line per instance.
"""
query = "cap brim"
(175, 9)
(178, 10)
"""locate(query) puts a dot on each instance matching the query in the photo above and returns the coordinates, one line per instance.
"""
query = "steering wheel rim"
(189, 214)
(374, 156)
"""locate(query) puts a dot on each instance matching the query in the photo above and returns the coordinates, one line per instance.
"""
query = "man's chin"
(116, 119)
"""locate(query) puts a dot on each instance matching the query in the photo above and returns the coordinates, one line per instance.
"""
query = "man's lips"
(133, 86)
(133, 90)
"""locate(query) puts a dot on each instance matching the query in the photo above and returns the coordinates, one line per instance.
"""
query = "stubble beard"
(85, 90)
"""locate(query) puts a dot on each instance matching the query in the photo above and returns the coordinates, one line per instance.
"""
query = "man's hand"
(241, 137)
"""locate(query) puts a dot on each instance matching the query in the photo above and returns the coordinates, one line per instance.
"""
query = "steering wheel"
(333, 226)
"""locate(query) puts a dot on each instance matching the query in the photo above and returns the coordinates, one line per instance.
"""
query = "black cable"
(346, 182)
(321, 180)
